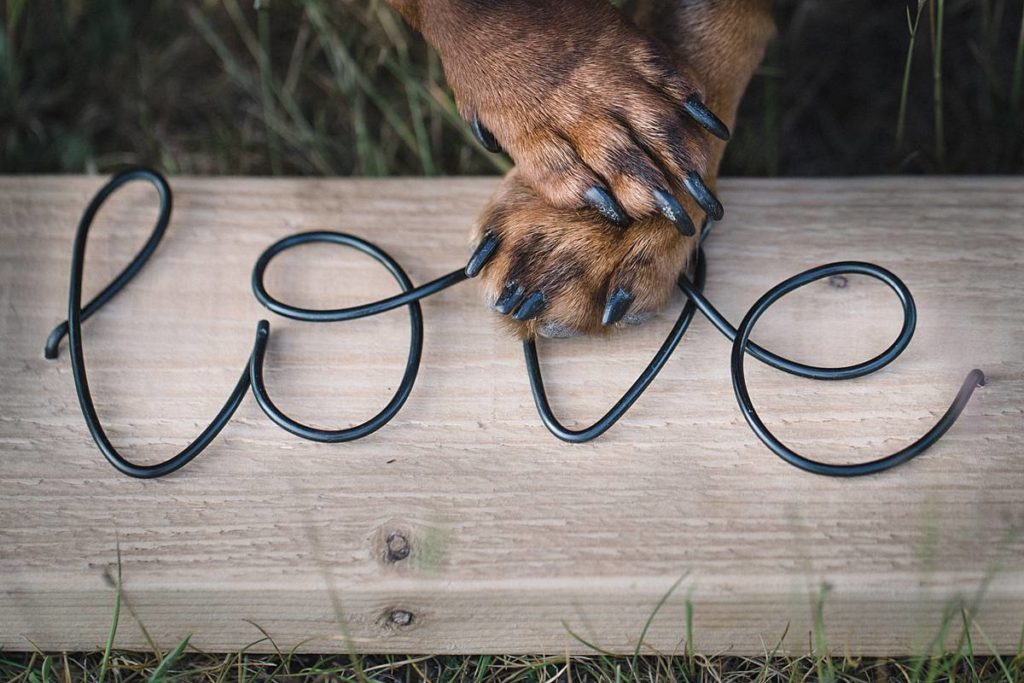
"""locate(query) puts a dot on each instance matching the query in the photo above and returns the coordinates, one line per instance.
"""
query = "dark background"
(342, 87)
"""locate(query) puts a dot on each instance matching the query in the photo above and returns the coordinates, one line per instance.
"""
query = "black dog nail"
(532, 306)
(510, 298)
(482, 254)
(671, 209)
(702, 115)
(604, 203)
(618, 303)
(694, 184)
(484, 136)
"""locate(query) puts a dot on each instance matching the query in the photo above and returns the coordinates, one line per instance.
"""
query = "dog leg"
(558, 272)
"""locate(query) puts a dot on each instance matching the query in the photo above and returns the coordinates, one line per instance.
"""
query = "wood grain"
(514, 538)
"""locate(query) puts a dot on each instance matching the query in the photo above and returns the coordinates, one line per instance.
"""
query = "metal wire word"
(252, 375)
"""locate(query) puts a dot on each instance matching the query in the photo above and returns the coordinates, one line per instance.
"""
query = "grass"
(343, 87)
(240, 666)
(901, 119)
(774, 666)
(937, 663)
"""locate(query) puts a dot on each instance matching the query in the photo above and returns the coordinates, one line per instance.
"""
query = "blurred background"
(343, 87)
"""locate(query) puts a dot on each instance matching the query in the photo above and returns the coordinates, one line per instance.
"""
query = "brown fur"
(571, 90)
(576, 258)
(606, 112)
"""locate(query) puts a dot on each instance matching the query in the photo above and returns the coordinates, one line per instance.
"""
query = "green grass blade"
(165, 666)
(822, 659)
(105, 662)
(901, 119)
(267, 85)
(938, 18)
(344, 64)
(586, 643)
(1018, 67)
(14, 10)
(451, 115)
(1010, 678)
(650, 619)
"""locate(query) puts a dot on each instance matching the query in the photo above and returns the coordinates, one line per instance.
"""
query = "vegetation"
(343, 87)
(936, 663)
(239, 666)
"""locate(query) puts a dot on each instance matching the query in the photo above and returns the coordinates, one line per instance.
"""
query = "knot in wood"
(401, 618)
(397, 547)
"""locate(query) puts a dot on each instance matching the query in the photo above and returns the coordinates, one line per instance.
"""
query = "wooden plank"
(515, 537)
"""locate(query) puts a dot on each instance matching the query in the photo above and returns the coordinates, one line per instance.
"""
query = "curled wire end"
(72, 327)
(742, 346)
(975, 378)
(52, 349)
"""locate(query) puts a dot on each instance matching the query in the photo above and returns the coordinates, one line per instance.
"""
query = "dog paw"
(558, 272)
(594, 113)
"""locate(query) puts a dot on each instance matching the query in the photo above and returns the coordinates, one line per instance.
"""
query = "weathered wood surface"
(515, 537)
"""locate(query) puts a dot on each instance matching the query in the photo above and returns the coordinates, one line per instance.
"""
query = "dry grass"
(240, 667)
(342, 87)
(938, 662)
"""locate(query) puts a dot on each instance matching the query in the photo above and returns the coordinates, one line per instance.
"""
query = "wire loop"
(741, 344)
(410, 296)
(412, 364)
(76, 314)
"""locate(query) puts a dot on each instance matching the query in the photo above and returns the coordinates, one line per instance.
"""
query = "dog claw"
(618, 303)
(484, 136)
(531, 307)
(704, 116)
(482, 254)
(694, 184)
(604, 203)
(671, 209)
(510, 298)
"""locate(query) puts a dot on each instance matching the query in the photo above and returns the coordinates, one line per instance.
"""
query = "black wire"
(133, 267)
(742, 345)
(76, 314)
(338, 314)
(696, 295)
(634, 392)
(409, 297)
